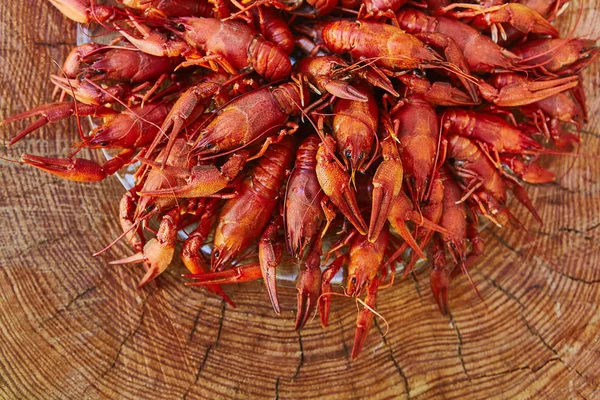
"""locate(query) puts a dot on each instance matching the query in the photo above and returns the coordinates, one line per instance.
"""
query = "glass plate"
(287, 272)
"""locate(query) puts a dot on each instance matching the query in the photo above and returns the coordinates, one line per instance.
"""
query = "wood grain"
(74, 327)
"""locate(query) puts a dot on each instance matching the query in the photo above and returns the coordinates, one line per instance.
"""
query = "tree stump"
(74, 327)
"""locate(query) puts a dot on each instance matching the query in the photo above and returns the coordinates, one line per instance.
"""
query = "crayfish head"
(366, 258)
(456, 248)
(206, 144)
(110, 135)
(221, 257)
(355, 154)
(586, 47)
(357, 282)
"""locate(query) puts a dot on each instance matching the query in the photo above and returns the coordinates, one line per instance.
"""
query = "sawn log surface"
(74, 327)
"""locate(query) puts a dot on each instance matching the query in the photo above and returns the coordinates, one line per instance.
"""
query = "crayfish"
(262, 133)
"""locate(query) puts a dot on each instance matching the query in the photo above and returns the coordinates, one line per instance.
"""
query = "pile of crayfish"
(325, 133)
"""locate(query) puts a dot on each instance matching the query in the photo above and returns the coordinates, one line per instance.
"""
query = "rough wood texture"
(74, 327)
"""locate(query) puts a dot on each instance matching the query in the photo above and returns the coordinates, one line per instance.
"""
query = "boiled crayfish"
(271, 135)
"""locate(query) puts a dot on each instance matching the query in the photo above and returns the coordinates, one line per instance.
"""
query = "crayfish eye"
(453, 246)
(179, 27)
(348, 153)
(210, 145)
(103, 143)
(353, 280)
(419, 73)
(216, 254)
(149, 208)
(413, 180)
(361, 156)
(337, 67)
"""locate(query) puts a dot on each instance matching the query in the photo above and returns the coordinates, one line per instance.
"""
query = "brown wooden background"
(74, 327)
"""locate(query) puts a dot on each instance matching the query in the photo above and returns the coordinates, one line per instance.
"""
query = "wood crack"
(301, 363)
(34, 246)
(417, 286)
(125, 340)
(200, 368)
(459, 346)
(506, 292)
(513, 370)
(79, 296)
(221, 319)
(344, 345)
(195, 325)
(53, 44)
(394, 361)
(122, 344)
(535, 333)
(561, 273)
(61, 309)
(574, 278)
(277, 388)
(564, 188)
(576, 231)
(504, 243)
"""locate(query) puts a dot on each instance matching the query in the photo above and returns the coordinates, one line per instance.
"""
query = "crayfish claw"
(379, 80)
(54, 112)
(269, 257)
(344, 90)
(531, 173)
(350, 209)
(155, 257)
(520, 91)
(364, 320)
(75, 169)
(133, 259)
(387, 185)
(308, 284)
(440, 282)
(194, 261)
(79, 169)
(325, 298)
(158, 251)
(84, 12)
(308, 292)
(245, 273)
(444, 94)
(334, 182)
(309, 289)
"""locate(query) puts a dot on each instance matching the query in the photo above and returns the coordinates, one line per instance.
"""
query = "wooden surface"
(73, 327)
